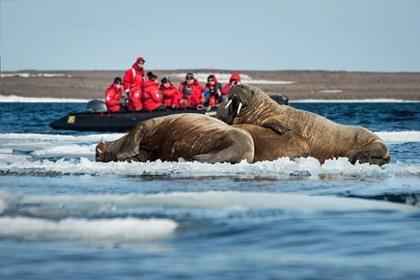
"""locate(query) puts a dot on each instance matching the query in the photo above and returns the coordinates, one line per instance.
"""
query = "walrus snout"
(100, 151)
(233, 107)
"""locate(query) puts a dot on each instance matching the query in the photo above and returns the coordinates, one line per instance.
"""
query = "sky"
(353, 35)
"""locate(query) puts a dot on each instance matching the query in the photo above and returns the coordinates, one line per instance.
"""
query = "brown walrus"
(326, 139)
(269, 145)
(188, 136)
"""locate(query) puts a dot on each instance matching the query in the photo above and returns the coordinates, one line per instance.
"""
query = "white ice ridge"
(116, 230)
(227, 200)
(29, 137)
(373, 100)
(23, 99)
(308, 167)
(66, 150)
(31, 75)
(224, 78)
(387, 136)
(398, 137)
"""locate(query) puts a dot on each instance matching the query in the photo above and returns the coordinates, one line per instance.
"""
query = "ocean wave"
(229, 201)
(97, 230)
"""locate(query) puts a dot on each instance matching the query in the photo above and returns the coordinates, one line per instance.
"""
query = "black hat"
(189, 76)
(165, 80)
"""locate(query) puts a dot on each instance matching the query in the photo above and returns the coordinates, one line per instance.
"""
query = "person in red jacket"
(212, 92)
(133, 84)
(190, 92)
(113, 95)
(235, 79)
(152, 98)
(169, 93)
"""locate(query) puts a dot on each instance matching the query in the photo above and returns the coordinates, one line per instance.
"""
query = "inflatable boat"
(96, 117)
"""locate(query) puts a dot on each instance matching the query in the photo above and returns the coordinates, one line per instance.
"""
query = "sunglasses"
(211, 80)
(190, 78)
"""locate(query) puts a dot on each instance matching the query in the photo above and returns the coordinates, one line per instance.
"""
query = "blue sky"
(263, 35)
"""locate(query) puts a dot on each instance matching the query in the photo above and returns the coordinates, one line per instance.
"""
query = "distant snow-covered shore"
(23, 99)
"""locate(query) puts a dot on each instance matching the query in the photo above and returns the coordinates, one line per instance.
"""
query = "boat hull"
(114, 122)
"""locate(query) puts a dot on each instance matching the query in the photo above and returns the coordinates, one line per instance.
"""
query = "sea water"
(64, 216)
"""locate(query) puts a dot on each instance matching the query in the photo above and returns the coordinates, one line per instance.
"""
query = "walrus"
(268, 144)
(326, 139)
(187, 136)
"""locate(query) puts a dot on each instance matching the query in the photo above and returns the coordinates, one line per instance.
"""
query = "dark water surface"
(64, 216)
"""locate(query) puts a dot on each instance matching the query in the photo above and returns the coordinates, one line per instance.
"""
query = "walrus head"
(100, 151)
(239, 98)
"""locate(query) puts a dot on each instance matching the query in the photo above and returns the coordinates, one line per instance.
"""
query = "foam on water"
(116, 230)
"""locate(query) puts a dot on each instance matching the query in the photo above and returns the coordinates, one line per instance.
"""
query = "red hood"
(234, 77)
(135, 66)
(149, 83)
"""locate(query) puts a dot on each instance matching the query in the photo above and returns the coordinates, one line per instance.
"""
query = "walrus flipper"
(130, 146)
(276, 127)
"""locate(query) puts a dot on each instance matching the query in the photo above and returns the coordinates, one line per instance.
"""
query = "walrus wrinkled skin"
(188, 136)
(269, 145)
(326, 139)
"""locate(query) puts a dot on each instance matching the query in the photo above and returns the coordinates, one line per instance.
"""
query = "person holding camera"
(212, 92)
(235, 79)
(190, 92)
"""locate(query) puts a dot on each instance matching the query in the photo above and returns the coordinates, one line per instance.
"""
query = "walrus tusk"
(239, 108)
(228, 104)
(100, 151)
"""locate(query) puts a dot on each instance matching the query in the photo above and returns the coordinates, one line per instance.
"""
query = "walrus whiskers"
(228, 104)
(239, 108)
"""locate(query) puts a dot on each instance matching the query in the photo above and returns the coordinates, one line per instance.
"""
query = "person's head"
(211, 80)
(235, 78)
(189, 78)
(140, 62)
(118, 82)
(165, 82)
(151, 76)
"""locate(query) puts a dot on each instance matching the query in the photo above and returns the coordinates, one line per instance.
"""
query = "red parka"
(133, 78)
(235, 77)
(133, 81)
(152, 98)
(190, 95)
(112, 98)
(170, 96)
